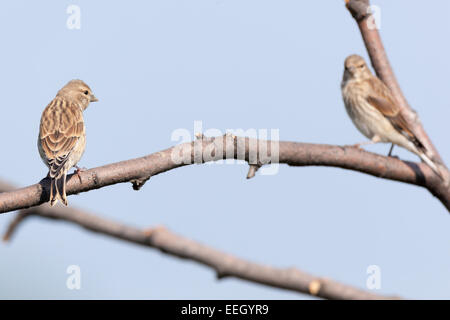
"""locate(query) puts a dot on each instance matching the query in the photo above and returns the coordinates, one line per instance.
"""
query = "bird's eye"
(86, 92)
(361, 66)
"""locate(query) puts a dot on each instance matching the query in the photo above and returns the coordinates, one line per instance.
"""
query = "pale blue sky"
(160, 65)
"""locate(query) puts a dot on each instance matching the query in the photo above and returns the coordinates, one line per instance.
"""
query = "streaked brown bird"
(374, 111)
(62, 137)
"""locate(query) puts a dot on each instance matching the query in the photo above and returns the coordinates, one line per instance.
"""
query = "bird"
(62, 137)
(375, 112)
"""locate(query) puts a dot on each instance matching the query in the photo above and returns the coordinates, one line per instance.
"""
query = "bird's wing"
(384, 102)
(61, 128)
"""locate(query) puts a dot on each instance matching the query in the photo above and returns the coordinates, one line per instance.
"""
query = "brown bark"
(138, 170)
(225, 265)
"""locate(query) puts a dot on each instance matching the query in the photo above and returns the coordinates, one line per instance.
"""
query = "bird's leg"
(390, 152)
(78, 171)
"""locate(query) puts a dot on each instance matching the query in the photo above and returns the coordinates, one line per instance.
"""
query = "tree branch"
(138, 172)
(224, 264)
(255, 152)
(360, 10)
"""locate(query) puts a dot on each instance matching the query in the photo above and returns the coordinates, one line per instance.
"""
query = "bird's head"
(78, 91)
(356, 68)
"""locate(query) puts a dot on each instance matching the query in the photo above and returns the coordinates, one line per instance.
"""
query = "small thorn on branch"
(139, 183)
(229, 134)
(200, 136)
(151, 231)
(252, 170)
(220, 274)
(314, 287)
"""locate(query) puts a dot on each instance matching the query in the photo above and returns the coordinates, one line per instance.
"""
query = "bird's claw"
(78, 172)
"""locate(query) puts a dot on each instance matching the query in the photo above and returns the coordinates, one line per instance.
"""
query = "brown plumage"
(374, 111)
(62, 137)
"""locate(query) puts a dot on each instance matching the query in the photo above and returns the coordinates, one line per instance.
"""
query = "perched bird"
(374, 111)
(62, 137)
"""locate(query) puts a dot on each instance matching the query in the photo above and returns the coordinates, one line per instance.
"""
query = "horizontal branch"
(256, 152)
(224, 264)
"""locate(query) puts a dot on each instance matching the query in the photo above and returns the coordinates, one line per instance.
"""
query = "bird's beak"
(93, 98)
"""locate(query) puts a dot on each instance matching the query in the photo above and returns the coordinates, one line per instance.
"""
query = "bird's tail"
(431, 164)
(58, 190)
